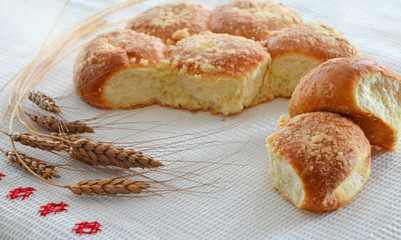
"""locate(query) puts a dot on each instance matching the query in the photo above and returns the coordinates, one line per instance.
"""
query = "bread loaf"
(166, 56)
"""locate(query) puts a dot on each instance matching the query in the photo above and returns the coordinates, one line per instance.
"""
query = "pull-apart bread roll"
(208, 71)
(164, 20)
(358, 88)
(319, 161)
(219, 72)
(252, 19)
(107, 71)
(298, 49)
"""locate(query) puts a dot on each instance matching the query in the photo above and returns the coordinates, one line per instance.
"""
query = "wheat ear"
(38, 142)
(57, 125)
(44, 102)
(44, 169)
(105, 154)
(108, 186)
(66, 136)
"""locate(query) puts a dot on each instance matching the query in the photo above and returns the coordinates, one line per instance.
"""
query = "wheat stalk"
(38, 142)
(44, 169)
(48, 56)
(108, 186)
(57, 125)
(44, 102)
(105, 154)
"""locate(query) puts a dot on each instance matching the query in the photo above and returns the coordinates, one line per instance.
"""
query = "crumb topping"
(252, 19)
(164, 20)
(138, 48)
(312, 38)
(220, 54)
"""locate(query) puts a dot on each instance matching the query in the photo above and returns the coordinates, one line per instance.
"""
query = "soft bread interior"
(286, 71)
(381, 95)
(285, 179)
(354, 182)
(138, 86)
(134, 87)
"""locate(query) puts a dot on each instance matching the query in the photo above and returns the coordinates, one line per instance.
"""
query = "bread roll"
(319, 161)
(208, 71)
(219, 72)
(298, 49)
(164, 20)
(105, 67)
(361, 89)
(252, 19)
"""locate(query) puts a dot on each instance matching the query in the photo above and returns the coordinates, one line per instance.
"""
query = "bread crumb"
(180, 34)
(281, 121)
(144, 62)
(207, 68)
(170, 42)
(164, 64)
(317, 139)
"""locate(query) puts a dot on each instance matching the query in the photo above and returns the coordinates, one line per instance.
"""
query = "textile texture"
(224, 157)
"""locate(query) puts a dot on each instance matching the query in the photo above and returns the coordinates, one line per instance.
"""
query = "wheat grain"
(57, 125)
(43, 101)
(44, 169)
(38, 142)
(66, 136)
(105, 154)
(108, 186)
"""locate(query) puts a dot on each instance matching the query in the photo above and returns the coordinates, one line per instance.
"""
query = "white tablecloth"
(237, 201)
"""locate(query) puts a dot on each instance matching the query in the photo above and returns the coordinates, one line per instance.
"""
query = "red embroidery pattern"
(2, 175)
(21, 192)
(92, 227)
(52, 207)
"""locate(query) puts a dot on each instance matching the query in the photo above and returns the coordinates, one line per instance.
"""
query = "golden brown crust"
(219, 55)
(332, 87)
(323, 148)
(163, 20)
(252, 19)
(312, 39)
(110, 53)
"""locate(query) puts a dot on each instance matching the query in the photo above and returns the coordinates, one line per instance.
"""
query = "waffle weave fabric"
(239, 202)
